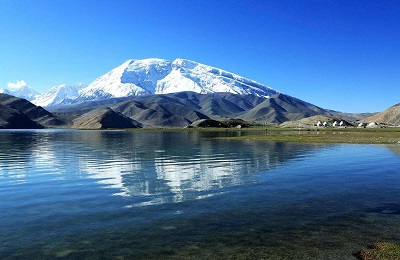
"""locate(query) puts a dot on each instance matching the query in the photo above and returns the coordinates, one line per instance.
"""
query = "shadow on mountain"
(21, 114)
(14, 119)
(103, 119)
(183, 108)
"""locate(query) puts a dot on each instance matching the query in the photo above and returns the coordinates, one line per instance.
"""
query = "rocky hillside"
(20, 113)
(11, 118)
(103, 119)
(183, 108)
(35, 113)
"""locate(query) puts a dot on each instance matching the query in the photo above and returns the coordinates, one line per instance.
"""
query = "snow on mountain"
(145, 77)
(158, 76)
(188, 75)
(132, 78)
(20, 89)
(58, 95)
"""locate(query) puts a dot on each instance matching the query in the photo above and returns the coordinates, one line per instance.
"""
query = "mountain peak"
(58, 95)
(20, 89)
(160, 76)
(185, 63)
(136, 77)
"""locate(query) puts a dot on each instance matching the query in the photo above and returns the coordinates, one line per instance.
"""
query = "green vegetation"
(382, 250)
(339, 135)
(390, 135)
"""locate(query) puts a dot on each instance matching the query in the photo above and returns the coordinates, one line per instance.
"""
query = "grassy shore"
(343, 135)
(390, 135)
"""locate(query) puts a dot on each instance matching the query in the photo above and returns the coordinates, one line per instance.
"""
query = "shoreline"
(345, 135)
(389, 135)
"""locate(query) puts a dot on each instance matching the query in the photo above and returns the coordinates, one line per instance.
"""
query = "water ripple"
(136, 164)
(93, 189)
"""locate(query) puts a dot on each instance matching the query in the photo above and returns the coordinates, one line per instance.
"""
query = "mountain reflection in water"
(158, 166)
(159, 195)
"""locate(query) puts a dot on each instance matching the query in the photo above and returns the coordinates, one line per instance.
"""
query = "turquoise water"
(143, 195)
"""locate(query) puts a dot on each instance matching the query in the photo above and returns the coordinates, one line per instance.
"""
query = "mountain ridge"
(159, 76)
(183, 108)
(20, 113)
(58, 95)
(188, 86)
(149, 76)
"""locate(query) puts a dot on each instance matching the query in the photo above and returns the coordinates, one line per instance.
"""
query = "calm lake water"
(139, 195)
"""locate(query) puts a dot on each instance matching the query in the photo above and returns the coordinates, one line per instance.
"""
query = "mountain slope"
(158, 76)
(152, 113)
(103, 119)
(390, 116)
(183, 108)
(35, 113)
(11, 118)
(281, 108)
(312, 121)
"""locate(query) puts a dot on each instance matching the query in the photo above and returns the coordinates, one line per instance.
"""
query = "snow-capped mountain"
(158, 76)
(58, 95)
(145, 77)
(20, 89)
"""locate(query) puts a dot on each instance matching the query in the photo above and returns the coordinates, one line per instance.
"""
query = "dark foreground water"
(140, 195)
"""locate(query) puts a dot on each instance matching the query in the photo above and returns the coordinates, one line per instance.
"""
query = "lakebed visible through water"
(122, 194)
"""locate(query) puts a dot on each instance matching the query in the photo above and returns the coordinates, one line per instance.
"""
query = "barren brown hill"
(313, 120)
(183, 108)
(390, 116)
(103, 119)
(306, 122)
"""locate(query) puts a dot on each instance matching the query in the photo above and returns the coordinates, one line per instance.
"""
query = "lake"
(155, 195)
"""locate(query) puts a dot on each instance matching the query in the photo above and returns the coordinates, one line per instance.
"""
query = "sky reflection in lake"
(107, 193)
(179, 166)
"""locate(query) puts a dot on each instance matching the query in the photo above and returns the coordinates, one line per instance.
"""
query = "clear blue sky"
(342, 55)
